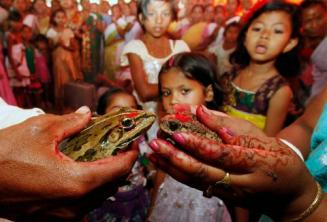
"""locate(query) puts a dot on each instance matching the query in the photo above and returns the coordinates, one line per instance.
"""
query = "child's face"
(16, 26)
(231, 34)
(120, 100)
(158, 18)
(269, 36)
(231, 7)
(60, 18)
(40, 6)
(67, 4)
(209, 13)
(116, 11)
(20, 5)
(176, 88)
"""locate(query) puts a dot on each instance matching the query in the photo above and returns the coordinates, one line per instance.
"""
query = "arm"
(299, 133)
(146, 91)
(277, 111)
(11, 59)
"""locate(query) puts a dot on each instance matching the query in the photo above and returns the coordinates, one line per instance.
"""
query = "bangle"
(313, 206)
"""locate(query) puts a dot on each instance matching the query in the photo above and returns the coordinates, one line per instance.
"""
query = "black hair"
(309, 3)
(105, 98)
(142, 7)
(287, 64)
(14, 16)
(41, 38)
(196, 66)
(53, 15)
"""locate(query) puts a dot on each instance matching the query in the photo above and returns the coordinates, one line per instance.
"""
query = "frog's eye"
(173, 125)
(127, 123)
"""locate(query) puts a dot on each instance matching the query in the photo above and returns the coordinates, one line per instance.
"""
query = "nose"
(158, 19)
(265, 34)
(174, 99)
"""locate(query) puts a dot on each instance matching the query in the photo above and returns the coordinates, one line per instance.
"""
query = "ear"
(209, 95)
(291, 44)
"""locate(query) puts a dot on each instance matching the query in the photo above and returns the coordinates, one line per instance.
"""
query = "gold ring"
(225, 182)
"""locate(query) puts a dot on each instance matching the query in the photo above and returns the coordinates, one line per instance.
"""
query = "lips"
(260, 49)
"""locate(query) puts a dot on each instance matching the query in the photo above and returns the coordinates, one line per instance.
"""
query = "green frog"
(107, 134)
(185, 122)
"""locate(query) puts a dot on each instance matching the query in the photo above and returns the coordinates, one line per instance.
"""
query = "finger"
(184, 167)
(72, 123)
(226, 156)
(106, 170)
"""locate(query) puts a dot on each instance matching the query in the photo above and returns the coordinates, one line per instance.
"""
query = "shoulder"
(136, 47)
(181, 46)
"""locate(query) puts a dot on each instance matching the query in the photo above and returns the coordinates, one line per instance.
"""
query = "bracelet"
(313, 206)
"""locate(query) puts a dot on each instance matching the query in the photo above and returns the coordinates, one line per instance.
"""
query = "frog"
(185, 122)
(107, 135)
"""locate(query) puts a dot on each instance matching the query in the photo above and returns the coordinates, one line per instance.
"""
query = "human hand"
(259, 168)
(38, 181)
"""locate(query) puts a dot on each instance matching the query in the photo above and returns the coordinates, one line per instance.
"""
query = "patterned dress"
(249, 105)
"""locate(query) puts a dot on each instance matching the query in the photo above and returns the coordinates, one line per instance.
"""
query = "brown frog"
(107, 134)
(186, 122)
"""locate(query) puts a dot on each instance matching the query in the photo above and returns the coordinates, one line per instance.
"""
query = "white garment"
(65, 36)
(223, 64)
(319, 73)
(152, 66)
(19, 57)
(11, 115)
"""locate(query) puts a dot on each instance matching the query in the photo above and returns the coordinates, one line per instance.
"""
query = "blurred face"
(133, 7)
(39, 6)
(158, 18)
(176, 88)
(231, 34)
(268, 36)
(60, 19)
(220, 15)
(209, 14)
(55, 5)
(85, 4)
(120, 100)
(20, 5)
(231, 7)
(197, 15)
(67, 4)
(27, 33)
(94, 7)
(104, 7)
(314, 22)
(126, 10)
(246, 4)
(115, 12)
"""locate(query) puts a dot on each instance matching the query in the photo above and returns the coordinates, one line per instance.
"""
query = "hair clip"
(171, 61)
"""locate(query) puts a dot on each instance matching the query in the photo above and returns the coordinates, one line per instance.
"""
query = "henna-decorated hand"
(39, 183)
(265, 174)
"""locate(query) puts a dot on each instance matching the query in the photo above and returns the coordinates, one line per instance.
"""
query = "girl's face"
(16, 26)
(120, 100)
(231, 7)
(60, 18)
(197, 15)
(268, 36)
(115, 11)
(20, 5)
(67, 4)
(176, 88)
(27, 33)
(220, 15)
(231, 34)
(158, 18)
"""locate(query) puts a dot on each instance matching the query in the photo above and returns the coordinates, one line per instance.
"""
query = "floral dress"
(249, 105)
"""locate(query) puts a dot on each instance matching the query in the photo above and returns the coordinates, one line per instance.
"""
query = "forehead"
(157, 5)
(175, 78)
(121, 99)
(273, 17)
(313, 10)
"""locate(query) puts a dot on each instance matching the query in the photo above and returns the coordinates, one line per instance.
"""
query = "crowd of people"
(260, 61)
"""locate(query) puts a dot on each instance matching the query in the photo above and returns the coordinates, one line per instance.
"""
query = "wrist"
(305, 208)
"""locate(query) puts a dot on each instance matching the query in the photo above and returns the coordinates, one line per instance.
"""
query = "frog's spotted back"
(107, 134)
(185, 122)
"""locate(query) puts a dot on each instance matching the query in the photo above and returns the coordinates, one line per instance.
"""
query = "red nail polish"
(154, 145)
(179, 138)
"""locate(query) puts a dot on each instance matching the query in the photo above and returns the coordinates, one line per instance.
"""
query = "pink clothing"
(5, 89)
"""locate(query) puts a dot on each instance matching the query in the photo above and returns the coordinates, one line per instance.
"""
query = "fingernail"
(179, 138)
(154, 145)
(227, 131)
(83, 110)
